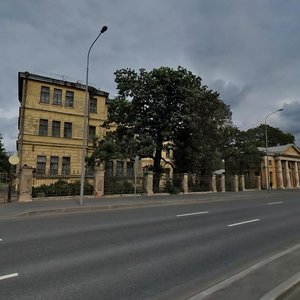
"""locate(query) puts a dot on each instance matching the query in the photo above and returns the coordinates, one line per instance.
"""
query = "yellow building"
(283, 165)
(51, 118)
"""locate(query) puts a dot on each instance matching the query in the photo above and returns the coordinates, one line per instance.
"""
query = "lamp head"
(104, 28)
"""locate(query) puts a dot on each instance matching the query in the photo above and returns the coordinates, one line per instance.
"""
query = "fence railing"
(60, 185)
(123, 185)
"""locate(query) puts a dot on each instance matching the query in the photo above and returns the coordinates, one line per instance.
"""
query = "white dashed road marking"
(242, 223)
(9, 276)
(192, 214)
(272, 203)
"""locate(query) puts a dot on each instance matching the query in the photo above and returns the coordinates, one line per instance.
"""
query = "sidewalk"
(277, 277)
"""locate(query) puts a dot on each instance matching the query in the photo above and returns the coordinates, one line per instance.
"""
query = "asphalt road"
(167, 252)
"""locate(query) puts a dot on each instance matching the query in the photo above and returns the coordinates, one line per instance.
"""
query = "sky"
(247, 50)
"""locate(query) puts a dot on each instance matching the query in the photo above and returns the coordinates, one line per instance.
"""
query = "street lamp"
(266, 135)
(85, 123)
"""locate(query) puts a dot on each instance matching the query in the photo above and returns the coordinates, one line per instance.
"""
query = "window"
(43, 129)
(66, 166)
(68, 130)
(69, 99)
(53, 165)
(56, 128)
(109, 168)
(41, 165)
(45, 94)
(93, 105)
(119, 168)
(92, 133)
(57, 97)
(130, 165)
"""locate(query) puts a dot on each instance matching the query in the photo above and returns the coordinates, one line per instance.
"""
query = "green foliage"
(239, 152)
(275, 136)
(117, 186)
(61, 188)
(4, 163)
(160, 106)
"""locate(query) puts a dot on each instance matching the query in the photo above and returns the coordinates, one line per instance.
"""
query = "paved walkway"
(269, 279)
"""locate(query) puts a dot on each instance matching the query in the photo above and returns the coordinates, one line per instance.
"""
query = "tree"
(239, 152)
(4, 164)
(161, 106)
(275, 136)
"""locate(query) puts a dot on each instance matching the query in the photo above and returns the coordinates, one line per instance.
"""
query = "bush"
(61, 188)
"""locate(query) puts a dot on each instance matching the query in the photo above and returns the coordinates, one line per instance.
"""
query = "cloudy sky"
(247, 50)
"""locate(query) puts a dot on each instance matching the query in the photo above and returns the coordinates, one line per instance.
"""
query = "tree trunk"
(157, 168)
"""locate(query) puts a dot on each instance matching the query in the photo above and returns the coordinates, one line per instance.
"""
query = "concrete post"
(99, 182)
(257, 183)
(149, 183)
(242, 183)
(234, 183)
(185, 184)
(25, 187)
(223, 189)
(214, 183)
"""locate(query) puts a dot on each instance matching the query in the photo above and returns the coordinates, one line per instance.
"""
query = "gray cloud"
(246, 50)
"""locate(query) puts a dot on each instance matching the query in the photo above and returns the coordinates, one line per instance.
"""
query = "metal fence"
(170, 185)
(47, 186)
(250, 182)
(199, 183)
(123, 185)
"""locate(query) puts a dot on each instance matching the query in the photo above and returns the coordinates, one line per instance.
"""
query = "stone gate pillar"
(99, 182)
(25, 187)
(223, 189)
(242, 183)
(148, 177)
(214, 183)
(185, 185)
(234, 183)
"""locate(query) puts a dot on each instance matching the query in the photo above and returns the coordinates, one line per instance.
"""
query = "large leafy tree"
(275, 136)
(4, 164)
(239, 152)
(160, 106)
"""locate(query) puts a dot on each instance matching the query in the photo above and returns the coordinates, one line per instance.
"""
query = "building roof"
(277, 150)
(48, 80)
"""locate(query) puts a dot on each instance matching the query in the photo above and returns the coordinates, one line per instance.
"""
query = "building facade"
(51, 120)
(284, 166)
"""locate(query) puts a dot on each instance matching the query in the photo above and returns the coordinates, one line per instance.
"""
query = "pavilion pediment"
(291, 151)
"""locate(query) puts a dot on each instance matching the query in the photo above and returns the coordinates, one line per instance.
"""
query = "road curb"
(284, 289)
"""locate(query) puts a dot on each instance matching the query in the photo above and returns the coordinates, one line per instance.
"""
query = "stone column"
(279, 174)
(223, 189)
(99, 182)
(213, 183)
(234, 183)
(287, 175)
(25, 187)
(258, 182)
(149, 183)
(185, 185)
(242, 183)
(297, 175)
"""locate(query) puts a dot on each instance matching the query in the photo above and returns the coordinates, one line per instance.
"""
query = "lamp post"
(266, 136)
(85, 123)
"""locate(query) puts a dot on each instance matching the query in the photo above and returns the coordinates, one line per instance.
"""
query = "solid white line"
(192, 214)
(9, 276)
(279, 202)
(282, 288)
(242, 274)
(245, 222)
